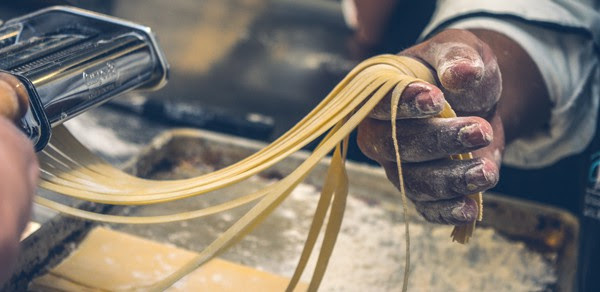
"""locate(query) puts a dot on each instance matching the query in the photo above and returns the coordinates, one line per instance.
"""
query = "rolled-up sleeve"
(562, 39)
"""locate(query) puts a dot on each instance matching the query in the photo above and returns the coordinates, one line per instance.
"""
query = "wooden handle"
(14, 100)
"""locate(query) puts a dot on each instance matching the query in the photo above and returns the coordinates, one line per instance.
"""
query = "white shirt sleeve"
(565, 49)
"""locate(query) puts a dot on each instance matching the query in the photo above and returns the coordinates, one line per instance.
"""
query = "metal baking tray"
(518, 241)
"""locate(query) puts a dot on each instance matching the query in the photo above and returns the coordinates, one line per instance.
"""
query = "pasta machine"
(70, 60)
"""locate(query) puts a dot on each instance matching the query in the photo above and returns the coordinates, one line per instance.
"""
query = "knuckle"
(391, 172)
(439, 180)
(368, 137)
(382, 110)
(375, 140)
(431, 213)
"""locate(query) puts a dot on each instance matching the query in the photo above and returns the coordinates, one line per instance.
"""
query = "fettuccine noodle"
(68, 168)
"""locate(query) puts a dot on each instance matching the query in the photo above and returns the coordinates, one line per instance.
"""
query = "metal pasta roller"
(69, 60)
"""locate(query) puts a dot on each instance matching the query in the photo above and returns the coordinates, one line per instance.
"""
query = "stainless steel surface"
(74, 59)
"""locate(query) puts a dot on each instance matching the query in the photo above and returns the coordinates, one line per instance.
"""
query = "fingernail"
(459, 73)
(472, 136)
(429, 102)
(478, 177)
(465, 212)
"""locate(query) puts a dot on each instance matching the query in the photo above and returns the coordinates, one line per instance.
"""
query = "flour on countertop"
(369, 253)
(369, 256)
(100, 139)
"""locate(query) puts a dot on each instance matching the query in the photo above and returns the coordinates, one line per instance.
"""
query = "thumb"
(14, 99)
(466, 69)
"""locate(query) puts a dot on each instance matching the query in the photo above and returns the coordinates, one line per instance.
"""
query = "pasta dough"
(68, 168)
(113, 261)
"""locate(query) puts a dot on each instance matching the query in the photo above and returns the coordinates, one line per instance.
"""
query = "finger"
(20, 167)
(419, 99)
(458, 211)
(466, 69)
(467, 77)
(14, 100)
(496, 148)
(15, 142)
(444, 179)
(423, 139)
(9, 248)
(459, 66)
(16, 190)
(9, 101)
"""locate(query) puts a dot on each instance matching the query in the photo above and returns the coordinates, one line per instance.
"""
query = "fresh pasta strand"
(70, 169)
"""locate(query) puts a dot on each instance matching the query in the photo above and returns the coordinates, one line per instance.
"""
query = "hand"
(469, 78)
(18, 180)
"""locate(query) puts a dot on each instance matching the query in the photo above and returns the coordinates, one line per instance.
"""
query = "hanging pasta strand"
(70, 169)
